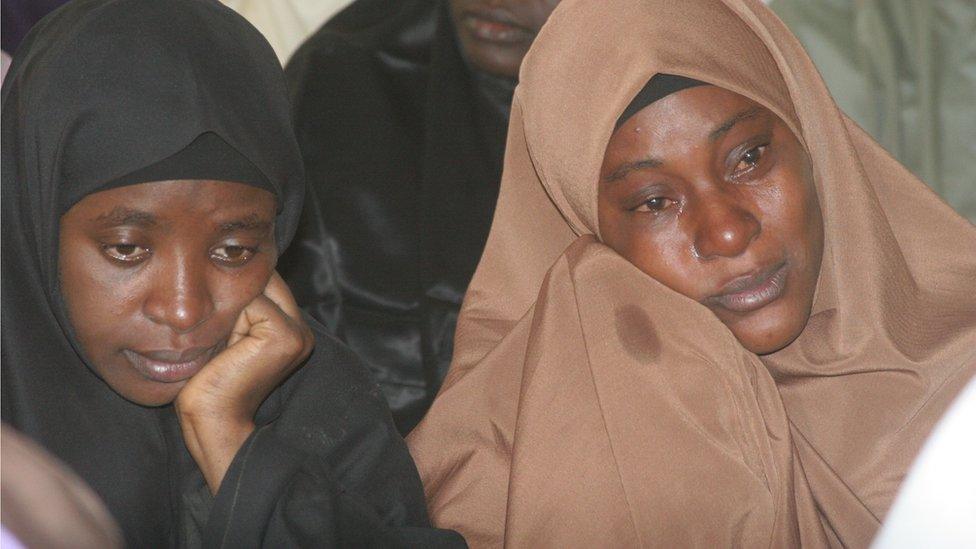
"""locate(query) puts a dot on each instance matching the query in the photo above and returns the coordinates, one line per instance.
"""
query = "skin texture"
(182, 272)
(496, 34)
(705, 188)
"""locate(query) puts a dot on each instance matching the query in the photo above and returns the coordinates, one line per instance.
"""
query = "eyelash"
(125, 258)
(762, 150)
(247, 253)
(645, 206)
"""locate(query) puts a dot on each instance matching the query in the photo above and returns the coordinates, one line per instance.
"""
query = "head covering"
(100, 92)
(577, 395)
(659, 86)
(207, 158)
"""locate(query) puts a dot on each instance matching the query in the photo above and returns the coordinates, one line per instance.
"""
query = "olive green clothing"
(905, 70)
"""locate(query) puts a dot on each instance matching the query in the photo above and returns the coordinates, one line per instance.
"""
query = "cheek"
(100, 300)
(667, 259)
(662, 252)
(791, 212)
(813, 217)
(234, 290)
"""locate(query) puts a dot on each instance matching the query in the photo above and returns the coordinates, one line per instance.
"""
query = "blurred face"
(712, 195)
(496, 34)
(154, 276)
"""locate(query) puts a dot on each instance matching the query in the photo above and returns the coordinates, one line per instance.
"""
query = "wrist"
(213, 438)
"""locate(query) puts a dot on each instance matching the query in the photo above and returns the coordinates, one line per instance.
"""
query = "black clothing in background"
(403, 147)
(18, 16)
(104, 88)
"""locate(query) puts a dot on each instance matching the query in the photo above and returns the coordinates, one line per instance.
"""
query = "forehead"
(200, 200)
(698, 109)
(681, 123)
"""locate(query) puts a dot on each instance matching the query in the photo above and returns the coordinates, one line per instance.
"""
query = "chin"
(498, 63)
(148, 393)
(766, 332)
(765, 344)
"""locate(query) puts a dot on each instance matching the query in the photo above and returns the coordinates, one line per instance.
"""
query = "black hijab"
(114, 92)
(659, 86)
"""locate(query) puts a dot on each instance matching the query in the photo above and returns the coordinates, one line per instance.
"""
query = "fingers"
(269, 341)
(279, 292)
(267, 338)
(275, 316)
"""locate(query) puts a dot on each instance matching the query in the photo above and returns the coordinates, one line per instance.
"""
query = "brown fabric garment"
(45, 504)
(588, 405)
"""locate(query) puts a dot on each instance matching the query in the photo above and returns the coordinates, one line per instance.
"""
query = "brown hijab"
(589, 405)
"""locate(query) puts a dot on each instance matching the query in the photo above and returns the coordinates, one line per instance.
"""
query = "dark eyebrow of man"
(251, 222)
(121, 215)
(728, 124)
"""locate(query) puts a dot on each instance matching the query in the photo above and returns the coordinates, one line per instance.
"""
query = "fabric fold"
(641, 435)
(807, 445)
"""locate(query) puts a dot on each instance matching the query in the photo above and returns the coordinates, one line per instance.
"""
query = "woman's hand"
(216, 407)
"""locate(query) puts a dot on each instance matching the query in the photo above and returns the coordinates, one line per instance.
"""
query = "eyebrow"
(250, 222)
(650, 162)
(122, 215)
(735, 119)
(627, 167)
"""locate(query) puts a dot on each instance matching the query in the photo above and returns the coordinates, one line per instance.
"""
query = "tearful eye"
(749, 159)
(128, 253)
(234, 255)
(655, 204)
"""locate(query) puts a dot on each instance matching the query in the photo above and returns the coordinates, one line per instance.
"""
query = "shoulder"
(339, 380)
(333, 410)
(332, 405)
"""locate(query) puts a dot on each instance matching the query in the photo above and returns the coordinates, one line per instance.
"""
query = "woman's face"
(496, 34)
(154, 276)
(712, 195)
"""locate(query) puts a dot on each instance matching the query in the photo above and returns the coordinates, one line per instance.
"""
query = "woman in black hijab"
(150, 179)
(401, 111)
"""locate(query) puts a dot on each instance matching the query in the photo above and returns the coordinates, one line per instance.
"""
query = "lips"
(753, 291)
(171, 365)
(496, 26)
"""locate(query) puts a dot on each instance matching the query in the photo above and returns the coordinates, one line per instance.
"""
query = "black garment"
(18, 16)
(659, 86)
(104, 88)
(403, 147)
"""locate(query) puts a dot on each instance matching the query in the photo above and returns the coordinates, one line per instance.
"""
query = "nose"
(180, 296)
(725, 228)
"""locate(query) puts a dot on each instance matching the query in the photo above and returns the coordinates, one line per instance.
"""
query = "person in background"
(401, 110)
(17, 17)
(47, 505)
(937, 502)
(906, 72)
(4, 64)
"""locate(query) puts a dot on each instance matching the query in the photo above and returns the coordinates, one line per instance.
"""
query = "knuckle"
(293, 341)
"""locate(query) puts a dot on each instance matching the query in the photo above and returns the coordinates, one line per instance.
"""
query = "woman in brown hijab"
(746, 348)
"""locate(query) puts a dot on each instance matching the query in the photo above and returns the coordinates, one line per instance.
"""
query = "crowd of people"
(521, 273)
